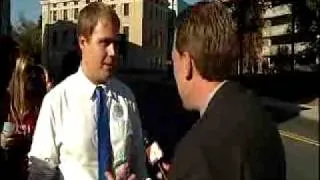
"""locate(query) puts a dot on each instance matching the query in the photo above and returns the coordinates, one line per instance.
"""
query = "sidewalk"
(308, 111)
(304, 123)
(312, 113)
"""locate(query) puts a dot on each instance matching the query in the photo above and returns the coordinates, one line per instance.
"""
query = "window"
(126, 9)
(51, 15)
(76, 3)
(54, 5)
(160, 40)
(76, 13)
(99, 0)
(54, 18)
(150, 38)
(156, 16)
(159, 62)
(155, 37)
(113, 6)
(87, 1)
(65, 14)
(126, 31)
(65, 4)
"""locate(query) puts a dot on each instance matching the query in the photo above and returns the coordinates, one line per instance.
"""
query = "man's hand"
(166, 166)
(122, 173)
(110, 176)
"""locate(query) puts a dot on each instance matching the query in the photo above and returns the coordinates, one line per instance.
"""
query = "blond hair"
(21, 102)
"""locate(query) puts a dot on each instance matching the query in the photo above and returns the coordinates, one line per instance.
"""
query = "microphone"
(154, 154)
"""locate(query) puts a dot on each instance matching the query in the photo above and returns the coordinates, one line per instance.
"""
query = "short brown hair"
(91, 14)
(208, 33)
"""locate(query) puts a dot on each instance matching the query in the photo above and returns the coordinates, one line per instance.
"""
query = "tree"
(28, 36)
(248, 14)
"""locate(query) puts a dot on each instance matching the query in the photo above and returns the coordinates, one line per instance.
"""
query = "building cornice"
(44, 2)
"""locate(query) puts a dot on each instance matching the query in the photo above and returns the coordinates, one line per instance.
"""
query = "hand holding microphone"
(154, 155)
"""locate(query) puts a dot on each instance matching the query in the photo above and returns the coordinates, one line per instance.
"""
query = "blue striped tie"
(104, 144)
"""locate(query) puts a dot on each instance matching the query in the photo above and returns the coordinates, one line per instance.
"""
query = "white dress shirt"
(66, 132)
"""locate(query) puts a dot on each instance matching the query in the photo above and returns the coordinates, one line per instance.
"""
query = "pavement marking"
(298, 137)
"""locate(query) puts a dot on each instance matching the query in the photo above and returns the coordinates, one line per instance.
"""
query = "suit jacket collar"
(226, 91)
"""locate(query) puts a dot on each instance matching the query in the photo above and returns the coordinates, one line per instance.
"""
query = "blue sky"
(31, 9)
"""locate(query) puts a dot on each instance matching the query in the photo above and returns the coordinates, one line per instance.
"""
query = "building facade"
(178, 5)
(5, 25)
(278, 36)
(144, 22)
(276, 31)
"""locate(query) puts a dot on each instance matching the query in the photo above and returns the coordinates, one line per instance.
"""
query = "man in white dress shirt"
(65, 140)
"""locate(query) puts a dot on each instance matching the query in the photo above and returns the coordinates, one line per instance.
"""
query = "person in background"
(26, 91)
(89, 125)
(234, 138)
(8, 52)
(47, 78)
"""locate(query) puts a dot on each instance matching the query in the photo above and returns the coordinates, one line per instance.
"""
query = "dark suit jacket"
(234, 140)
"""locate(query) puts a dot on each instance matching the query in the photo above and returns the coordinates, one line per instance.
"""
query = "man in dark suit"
(234, 139)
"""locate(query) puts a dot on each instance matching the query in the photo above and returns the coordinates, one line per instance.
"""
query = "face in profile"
(99, 51)
(180, 71)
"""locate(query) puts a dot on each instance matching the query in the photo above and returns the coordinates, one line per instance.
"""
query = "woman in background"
(27, 89)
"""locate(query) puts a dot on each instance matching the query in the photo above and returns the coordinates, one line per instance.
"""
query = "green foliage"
(28, 35)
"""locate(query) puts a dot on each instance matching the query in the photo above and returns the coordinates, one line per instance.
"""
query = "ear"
(188, 65)
(82, 41)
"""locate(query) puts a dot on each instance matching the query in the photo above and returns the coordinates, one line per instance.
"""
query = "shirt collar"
(87, 86)
(210, 96)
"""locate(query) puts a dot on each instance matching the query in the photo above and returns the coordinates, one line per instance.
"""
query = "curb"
(299, 138)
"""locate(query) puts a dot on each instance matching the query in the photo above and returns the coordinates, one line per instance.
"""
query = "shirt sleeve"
(44, 146)
(139, 158)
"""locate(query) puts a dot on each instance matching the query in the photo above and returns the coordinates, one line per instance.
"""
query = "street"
(300, 136)
(302, 160)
